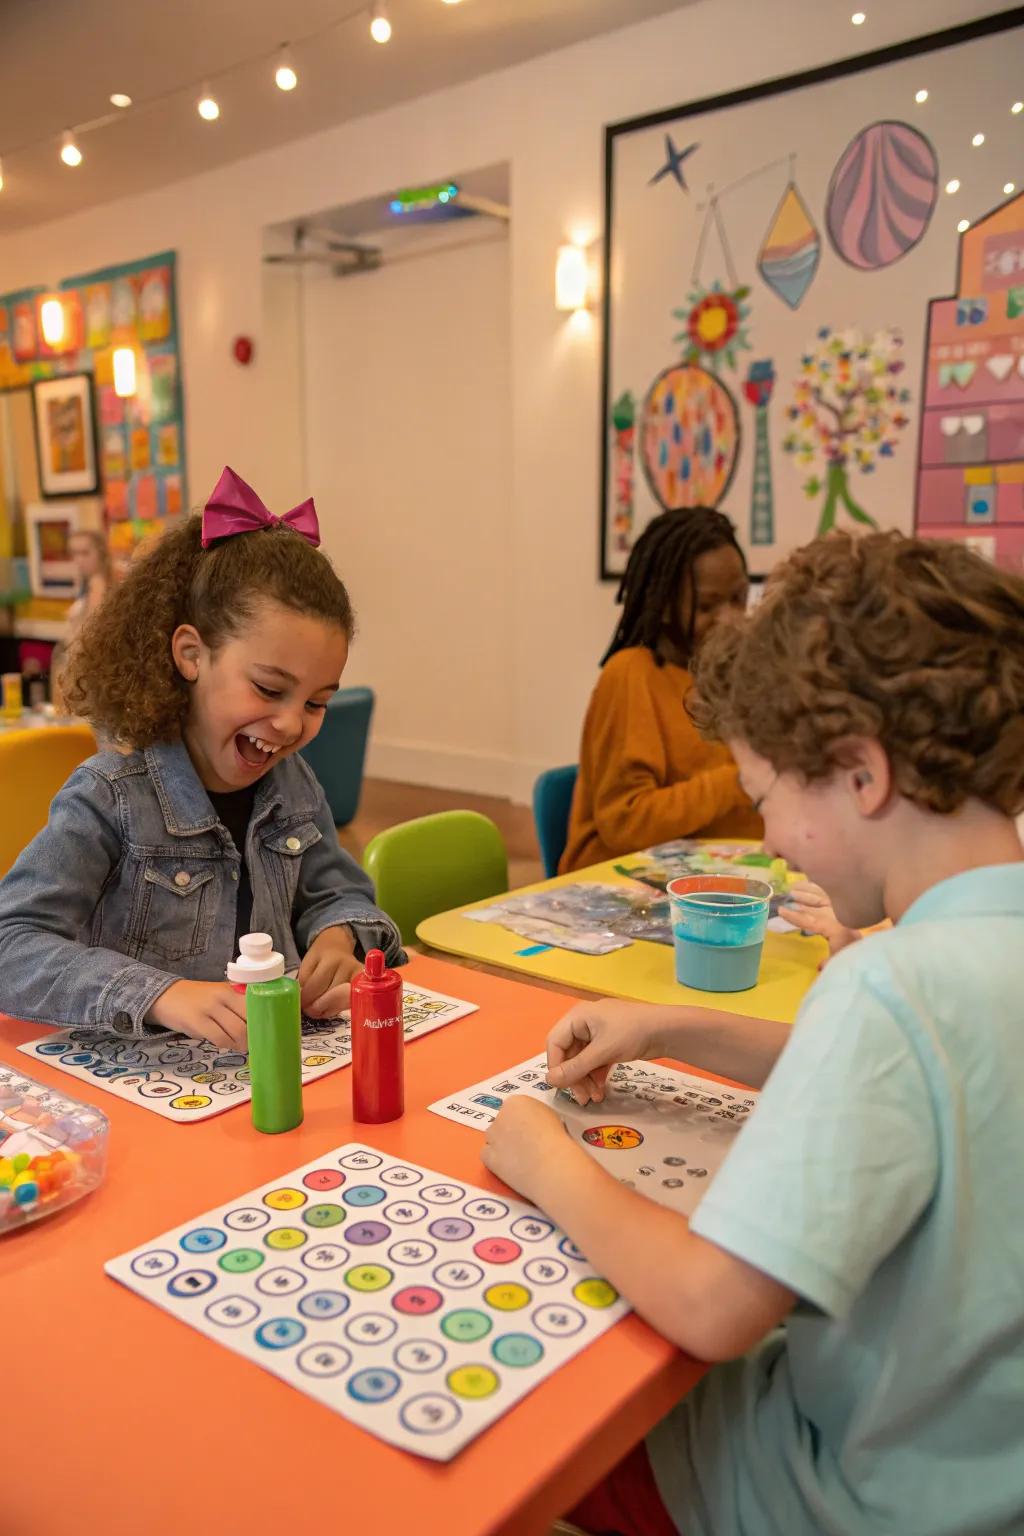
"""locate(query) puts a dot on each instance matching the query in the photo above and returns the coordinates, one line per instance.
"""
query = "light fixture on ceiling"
(51, 321)
(69, 150)
(285, 77)
(859, 18)
(953, 185)
(978, 140)
(121, 100)
(1009, 187)
(921, 96)
(207, 107)
(124, 372)
(1018, 106)
(380, 26)
(963, 226)
(451, 2)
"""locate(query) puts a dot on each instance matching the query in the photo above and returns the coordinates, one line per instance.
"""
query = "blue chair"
(552, 802)
(337, 754)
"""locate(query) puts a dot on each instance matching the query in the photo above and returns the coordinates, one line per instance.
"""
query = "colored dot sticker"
(325, 1215)
(595, 1293)
(518, 1350)
(154, 1264)
(285, 1199)
(420, 1355)
(239, 1261)
(497, 1250)
(285, 1237)
(442, 1194)
(361, 1160)
(316, 1061)
(160, 1088)
(545, 1271)
(232, 1311)
(473, 1381)
(203, 1240)
(84, 1059)
(417, 1300)
(323, 1359)
(362, 1195)
(366, 1233)
(558, 1322)
(613, 1138)
(404, 1212)
(325, 1256)
(451, 1229)
(531, 1229)
(191, 1101)
(280, 1333)
(280, 1281)
(486, 1210)
(458, 1274)
(368, 1277)
(508, 1297)
(371, 1328)
(191, 1282)
(568, 1247)
(324, 1305)
(401, 1176)
(431, 1413)
(323, 1179)
(466, 1325)
(202, 1077)
(412, 1254)
(373, 1386)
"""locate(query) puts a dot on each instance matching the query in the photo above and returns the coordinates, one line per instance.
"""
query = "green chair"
(434, 863)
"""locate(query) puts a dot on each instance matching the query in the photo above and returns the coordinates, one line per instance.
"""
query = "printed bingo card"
(419, 1308)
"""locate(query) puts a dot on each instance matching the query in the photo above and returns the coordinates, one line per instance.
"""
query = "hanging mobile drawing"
(791, 249)
(882, 195)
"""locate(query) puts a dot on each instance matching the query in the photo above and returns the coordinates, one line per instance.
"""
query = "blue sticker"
(373, 1386)
(280, 1333)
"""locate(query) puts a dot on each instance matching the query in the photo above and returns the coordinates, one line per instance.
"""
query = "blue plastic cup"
(718, 928)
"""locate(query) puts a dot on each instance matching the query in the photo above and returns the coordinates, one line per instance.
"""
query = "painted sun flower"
(714, 325)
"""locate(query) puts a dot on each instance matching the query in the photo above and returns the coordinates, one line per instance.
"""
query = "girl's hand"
(808, 908)
(208, 1010)
(521, 1142)
(326, 970)
(592, 1038)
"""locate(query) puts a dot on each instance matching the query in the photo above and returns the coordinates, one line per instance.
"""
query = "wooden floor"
(384, 803)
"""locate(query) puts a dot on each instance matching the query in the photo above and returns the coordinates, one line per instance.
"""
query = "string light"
(380, 26)
(1007, 189)
(69, 150)
(207, 107)
(1018, 106)
(953, 185)
(285, 77)
(120, 100)
(858, 18)
(978, 140)
(921, 97)
(963, 226)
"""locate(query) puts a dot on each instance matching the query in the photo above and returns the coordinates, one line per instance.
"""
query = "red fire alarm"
(243, 350)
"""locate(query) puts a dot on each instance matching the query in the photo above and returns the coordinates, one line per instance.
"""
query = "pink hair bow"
(234, 508)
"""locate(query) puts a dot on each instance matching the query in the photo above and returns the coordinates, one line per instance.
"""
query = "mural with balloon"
(769, 261)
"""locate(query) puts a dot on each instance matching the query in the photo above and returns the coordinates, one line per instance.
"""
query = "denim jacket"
(133, 885)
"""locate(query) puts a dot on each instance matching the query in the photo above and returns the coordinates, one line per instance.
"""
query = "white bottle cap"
(258, 960)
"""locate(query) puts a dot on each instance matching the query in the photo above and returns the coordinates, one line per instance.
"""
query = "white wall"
(545, 119)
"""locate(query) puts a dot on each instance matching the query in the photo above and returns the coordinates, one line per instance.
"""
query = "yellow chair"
(34, 763)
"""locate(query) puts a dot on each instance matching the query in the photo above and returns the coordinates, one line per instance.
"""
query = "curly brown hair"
(120, 674)
(918, 644)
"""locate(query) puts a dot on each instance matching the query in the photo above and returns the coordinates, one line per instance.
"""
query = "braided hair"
(661, 560)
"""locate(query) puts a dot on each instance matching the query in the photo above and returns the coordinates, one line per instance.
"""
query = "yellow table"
(644, 971)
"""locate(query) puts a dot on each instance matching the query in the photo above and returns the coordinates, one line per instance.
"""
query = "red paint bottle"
(378, 1043)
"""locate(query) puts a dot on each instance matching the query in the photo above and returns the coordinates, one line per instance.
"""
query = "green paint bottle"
(275, 1053)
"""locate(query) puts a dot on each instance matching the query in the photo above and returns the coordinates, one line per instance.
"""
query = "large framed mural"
(769, 344)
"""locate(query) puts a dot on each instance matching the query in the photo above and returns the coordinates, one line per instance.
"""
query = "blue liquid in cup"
(718, 940)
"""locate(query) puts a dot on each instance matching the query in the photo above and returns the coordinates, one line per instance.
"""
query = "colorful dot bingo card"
(419, 1308)
(185, 1079)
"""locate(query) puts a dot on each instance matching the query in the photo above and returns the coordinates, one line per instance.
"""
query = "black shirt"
(235, 811)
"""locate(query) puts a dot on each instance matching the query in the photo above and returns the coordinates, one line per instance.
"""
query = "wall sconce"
(51, 321)
(124, 371)
(572, 278)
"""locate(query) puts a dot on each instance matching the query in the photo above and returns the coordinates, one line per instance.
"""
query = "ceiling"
(63, 59)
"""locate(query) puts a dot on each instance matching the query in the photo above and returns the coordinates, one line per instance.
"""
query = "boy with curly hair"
(874, 703)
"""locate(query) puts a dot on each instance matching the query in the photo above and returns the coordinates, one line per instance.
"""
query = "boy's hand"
(521, 1142)
(809, 909)
(594, 1037)
(208, 1010)
(326, 970)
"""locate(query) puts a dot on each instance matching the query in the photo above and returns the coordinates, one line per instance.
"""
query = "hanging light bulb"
(207, 107)
(69, 150)
(380, 26)
(51, 320)
(285, 77)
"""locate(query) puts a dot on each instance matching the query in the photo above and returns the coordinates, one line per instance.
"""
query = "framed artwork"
(52, 572)
(66, 435)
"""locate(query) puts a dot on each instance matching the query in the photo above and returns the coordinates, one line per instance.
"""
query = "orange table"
(119, 1418)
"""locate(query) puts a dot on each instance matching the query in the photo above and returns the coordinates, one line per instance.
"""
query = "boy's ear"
(187, 648)
(869, 773)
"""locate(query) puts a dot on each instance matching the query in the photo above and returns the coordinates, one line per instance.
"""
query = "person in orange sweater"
(646, 775)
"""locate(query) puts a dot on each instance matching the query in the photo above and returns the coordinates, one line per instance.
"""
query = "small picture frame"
(66, 435)
(52, 572)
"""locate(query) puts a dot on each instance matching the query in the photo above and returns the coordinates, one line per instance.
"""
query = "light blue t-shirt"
(881, 1178)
